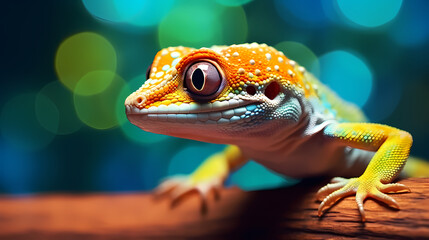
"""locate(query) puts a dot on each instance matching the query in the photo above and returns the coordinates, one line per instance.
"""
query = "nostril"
(272, 90)
(251, 90)
(140, 100)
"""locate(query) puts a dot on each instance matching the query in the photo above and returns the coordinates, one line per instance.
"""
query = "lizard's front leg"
(210, 175)
(392, 148)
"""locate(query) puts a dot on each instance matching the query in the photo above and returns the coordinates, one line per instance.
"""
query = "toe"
(180, 190)
(360, 197)
(329, 188)
(385, 198)
(333, 197)
(394, 188)
(168, 185)
(338, 179)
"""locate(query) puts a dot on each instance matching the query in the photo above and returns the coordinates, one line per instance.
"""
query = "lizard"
(268, 108)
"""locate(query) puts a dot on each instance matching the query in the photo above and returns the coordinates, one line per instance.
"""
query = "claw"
(360, 197)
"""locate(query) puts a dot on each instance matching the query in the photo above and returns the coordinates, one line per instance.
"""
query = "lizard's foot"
(363, 187)
(177, 187)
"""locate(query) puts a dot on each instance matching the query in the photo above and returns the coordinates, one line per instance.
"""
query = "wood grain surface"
(285, 213)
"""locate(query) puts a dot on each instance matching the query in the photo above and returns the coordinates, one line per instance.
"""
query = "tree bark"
(289, 213)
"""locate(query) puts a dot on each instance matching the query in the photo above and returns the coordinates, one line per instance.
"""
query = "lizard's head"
(221, 95)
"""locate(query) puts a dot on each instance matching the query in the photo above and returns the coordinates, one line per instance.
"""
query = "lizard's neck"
(287, 138)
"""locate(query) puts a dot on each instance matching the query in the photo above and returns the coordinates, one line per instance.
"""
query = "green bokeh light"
(202, 24)
(103, 9)
(99, 110)
(131, 131)
(62, 109)
(301, 54)
(19, 125)
(83, 53)
(143, 13)
(233, 3)
(95, 82)
(369, 13)
(348, 75)
(234, 28)
(47, 113)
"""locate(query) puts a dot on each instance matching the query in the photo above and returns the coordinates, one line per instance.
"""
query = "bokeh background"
(67, 67)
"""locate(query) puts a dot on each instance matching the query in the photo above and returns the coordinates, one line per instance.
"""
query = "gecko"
(266, 107)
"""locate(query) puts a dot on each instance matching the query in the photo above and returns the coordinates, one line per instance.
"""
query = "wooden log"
(288, 213)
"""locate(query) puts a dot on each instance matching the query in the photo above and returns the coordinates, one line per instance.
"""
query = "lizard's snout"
(136, 100)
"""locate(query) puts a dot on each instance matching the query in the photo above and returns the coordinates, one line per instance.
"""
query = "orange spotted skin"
(247, 64)
(269, 109)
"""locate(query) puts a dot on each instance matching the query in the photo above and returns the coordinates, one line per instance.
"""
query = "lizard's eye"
(203, 81)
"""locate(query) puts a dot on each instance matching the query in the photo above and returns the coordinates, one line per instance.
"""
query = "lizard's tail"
(416, 167)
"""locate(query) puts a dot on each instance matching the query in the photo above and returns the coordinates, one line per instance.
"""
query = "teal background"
(65, 130)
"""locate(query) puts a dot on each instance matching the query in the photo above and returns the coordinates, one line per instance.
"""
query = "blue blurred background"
(67, 67)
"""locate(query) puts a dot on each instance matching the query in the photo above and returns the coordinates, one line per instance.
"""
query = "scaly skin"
(268, 108)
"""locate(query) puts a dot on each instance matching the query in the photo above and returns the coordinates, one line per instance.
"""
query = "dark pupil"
(198, 79)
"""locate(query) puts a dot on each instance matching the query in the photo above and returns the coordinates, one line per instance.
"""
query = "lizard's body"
(269, 109)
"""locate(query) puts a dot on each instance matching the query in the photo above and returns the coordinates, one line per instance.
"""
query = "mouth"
(221, 112)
